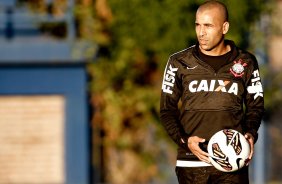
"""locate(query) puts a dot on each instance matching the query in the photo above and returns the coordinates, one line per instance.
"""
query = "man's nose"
(202, 31)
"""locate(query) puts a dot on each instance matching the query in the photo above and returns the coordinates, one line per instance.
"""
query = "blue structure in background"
(33, 64)
(22, 41)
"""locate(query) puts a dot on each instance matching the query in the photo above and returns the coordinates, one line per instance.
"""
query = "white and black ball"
(228, 150)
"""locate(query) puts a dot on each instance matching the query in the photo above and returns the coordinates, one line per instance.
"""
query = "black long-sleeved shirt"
(196, 100)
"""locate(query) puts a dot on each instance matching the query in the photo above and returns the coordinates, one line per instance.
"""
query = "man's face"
(210, 29)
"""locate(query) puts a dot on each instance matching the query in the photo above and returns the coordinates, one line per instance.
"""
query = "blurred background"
(80, 86)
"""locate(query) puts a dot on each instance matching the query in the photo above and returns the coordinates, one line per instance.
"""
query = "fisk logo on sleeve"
(169, 79)
(256, 87)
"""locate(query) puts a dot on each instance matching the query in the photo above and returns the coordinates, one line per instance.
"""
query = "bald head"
(211, 25)
(215, 5)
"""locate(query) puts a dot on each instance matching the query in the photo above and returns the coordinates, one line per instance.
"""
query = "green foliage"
(154, 26)
(242, 14)
(134, 42)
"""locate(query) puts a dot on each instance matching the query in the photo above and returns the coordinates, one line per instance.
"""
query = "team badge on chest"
(238, 68)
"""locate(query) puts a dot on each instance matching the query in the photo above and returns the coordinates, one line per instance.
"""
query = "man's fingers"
(203, 152)
(250, 139)
(195, 139)
(252, 152)
(193, 144)
(203, 156)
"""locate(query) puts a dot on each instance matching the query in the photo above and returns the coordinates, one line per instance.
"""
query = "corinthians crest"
(238, 68)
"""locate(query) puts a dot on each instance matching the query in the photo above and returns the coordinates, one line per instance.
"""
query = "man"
(212, 80)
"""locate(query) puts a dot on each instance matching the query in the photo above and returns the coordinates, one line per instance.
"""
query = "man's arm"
(254, 101)
(169, 112)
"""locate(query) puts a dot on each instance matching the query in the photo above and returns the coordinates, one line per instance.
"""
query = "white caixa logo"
(256, 86)
(169, 79)
(213, 86)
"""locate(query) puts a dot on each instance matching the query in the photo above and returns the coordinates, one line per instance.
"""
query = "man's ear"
(225, 27)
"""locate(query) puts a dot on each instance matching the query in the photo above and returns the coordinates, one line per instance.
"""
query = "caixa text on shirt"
(198, 85)
(213, 86)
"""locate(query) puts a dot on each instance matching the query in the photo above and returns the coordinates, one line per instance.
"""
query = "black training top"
(211, 99)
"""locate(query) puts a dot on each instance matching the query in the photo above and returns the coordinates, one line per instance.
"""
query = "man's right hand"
(193, 145)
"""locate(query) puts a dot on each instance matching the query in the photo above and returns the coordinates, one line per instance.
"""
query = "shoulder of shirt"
(246, 55)
(183, 53)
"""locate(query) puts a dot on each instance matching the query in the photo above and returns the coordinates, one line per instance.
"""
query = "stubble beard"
(212, 47)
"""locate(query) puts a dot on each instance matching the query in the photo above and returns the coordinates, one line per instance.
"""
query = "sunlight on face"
(210, 29)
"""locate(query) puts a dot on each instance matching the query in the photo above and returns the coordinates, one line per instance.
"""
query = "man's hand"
(250, 139)
(193, 145)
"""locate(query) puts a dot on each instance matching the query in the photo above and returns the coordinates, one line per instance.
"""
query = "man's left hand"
(250, 138)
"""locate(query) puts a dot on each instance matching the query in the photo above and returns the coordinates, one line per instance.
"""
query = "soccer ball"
(228, 150)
